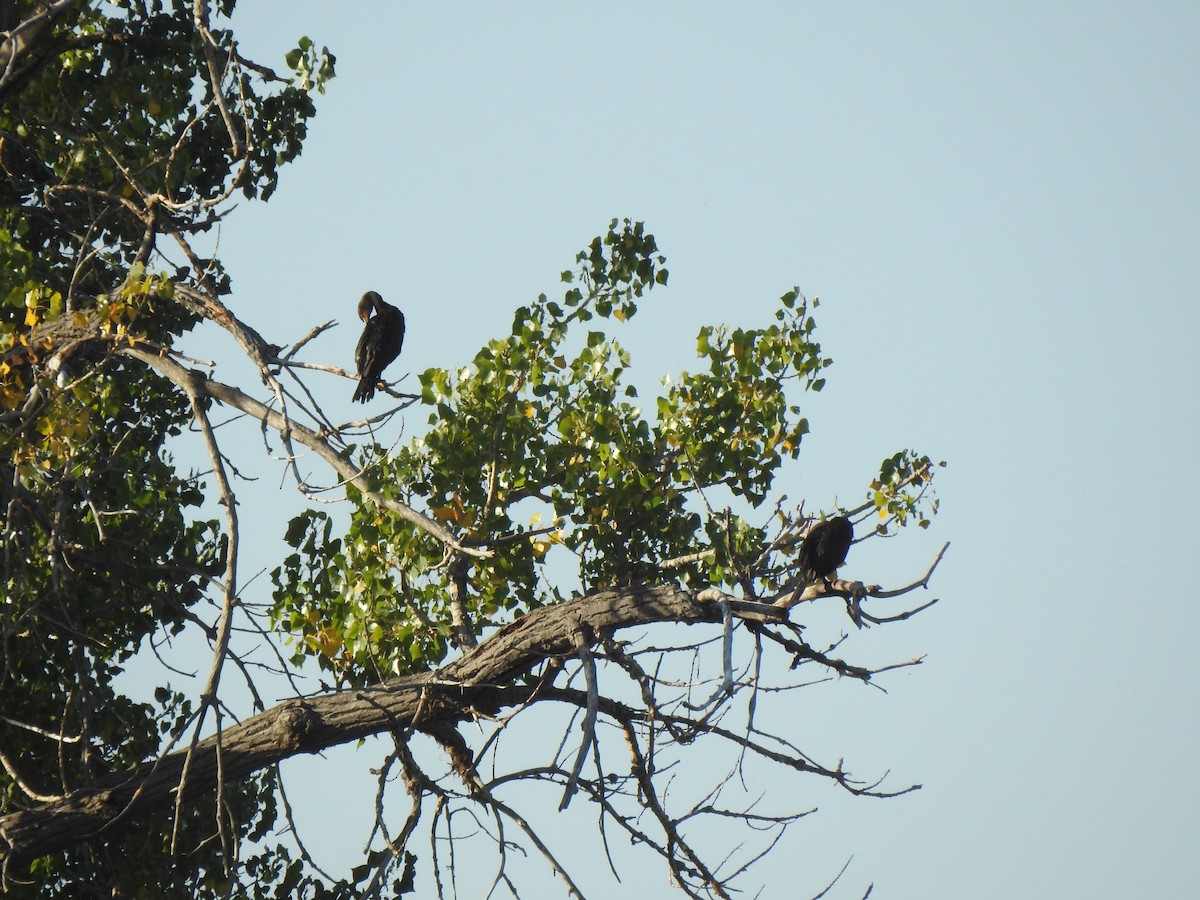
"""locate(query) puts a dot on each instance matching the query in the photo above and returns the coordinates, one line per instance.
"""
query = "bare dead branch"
(582, 647)
(687, 559)
(837, 878)
(315, 332)
(229, 599)
(290, 818)
(200, 17)
(854, 592)
(26, 789)
(555, 865)
(923, 581)
(56, 736)
(310, 725)
(649, 795)
(236, 398)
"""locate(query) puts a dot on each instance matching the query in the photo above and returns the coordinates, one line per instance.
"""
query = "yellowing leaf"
(324, 642)
(446, 514)
(454, 513)
(31, 317)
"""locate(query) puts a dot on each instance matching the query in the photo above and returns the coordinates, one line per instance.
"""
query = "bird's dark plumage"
(381, 340)
(825, 546)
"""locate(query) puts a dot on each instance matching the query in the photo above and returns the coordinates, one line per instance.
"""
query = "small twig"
(291, 820)
(52, 735)
(650, 796)
(315, 332)
(555, 865)
(836, 878)
(20, 782)
(725, 688)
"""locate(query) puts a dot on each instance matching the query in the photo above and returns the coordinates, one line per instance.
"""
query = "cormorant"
(381, 340)
(825, 546)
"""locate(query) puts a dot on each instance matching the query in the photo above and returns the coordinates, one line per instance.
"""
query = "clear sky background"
(998, 207)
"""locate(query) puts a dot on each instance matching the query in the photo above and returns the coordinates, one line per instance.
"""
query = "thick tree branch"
(18, 42)
(313, 724)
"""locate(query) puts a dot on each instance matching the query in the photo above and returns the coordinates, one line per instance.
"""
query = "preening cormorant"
(381, 340)
(825, 546)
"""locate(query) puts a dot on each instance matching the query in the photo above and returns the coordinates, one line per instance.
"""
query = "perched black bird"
(825, 546)
(381, 340)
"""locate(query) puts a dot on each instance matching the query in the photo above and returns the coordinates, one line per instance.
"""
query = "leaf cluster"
(116, 136)
(903, 490)
(541, 453)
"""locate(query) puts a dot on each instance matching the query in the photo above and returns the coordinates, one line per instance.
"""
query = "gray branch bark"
(307, 725)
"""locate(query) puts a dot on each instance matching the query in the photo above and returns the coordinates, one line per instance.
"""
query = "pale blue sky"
(998, 207)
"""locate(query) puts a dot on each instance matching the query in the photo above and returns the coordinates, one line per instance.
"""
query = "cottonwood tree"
(503, 541)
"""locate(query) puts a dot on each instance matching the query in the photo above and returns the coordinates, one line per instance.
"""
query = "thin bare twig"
(229, 597)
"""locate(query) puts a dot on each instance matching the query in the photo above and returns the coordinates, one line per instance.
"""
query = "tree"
(496, 564)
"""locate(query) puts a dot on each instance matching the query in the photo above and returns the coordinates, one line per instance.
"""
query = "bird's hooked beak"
(367, 305)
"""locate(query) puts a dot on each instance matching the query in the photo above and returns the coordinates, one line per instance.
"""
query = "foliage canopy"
(539, 482)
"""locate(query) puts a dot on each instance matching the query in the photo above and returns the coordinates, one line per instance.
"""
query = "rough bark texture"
(424, 702)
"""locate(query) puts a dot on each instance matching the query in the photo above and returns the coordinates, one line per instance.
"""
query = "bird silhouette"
(825, 546)
(381, 340)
